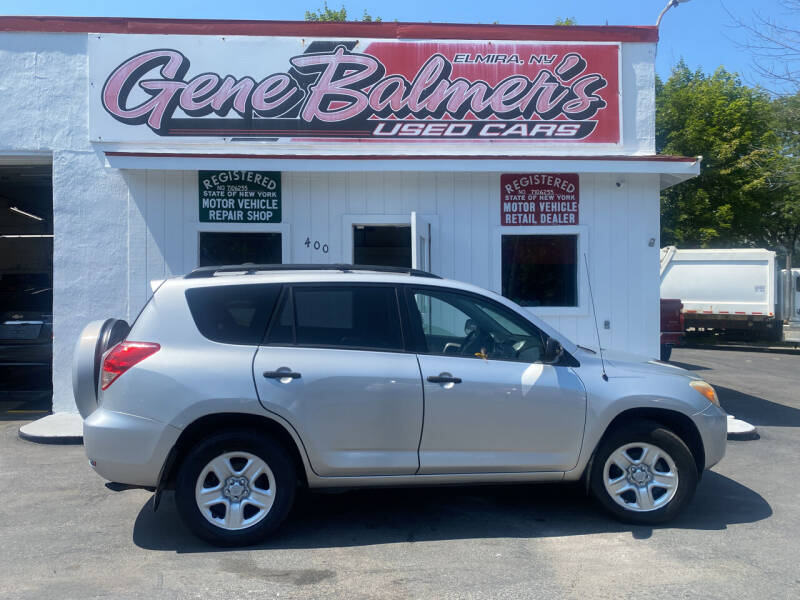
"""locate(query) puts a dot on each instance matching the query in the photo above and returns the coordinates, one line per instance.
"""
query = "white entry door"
(420, 242)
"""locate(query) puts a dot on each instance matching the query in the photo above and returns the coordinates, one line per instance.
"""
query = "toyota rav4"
(235, 385)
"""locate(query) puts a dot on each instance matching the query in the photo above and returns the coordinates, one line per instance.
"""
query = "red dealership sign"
(290, 88)
(539, 199)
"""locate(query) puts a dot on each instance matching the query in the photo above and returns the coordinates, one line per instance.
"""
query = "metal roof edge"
(389, 30)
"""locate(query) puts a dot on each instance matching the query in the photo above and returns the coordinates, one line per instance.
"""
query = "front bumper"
(125, 448)
(712, 423)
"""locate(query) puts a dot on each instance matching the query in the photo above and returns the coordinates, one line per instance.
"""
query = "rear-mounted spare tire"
(95, 339)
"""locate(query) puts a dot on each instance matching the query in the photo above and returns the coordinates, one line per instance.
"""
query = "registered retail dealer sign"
(539, 199)
(239, 196)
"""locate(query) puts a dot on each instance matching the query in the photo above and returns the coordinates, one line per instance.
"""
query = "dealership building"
(518, 158)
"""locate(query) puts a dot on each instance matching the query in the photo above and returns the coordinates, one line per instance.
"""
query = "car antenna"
(594, 314)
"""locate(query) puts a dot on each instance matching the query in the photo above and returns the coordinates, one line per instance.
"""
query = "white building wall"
(617, 223)
(44, 87)
(116, 230)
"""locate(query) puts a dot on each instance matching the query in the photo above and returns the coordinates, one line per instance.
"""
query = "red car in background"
(671, 326)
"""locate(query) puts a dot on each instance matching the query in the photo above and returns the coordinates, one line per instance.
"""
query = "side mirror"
(552, 351)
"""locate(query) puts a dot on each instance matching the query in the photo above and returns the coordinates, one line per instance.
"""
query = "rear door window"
(233, 314)
(337, 316)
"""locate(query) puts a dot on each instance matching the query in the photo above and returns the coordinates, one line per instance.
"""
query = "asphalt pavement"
(65, 533)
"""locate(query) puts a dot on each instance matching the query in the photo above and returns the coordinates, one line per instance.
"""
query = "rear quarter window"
(233, 314)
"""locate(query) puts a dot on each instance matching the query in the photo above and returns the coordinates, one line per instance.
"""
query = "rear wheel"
(95, 339)
(643, 473)
(235, 488)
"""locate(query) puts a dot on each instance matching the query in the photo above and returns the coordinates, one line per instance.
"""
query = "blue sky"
(700, 31)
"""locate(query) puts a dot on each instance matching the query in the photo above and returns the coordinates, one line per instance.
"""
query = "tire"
(666, 352)
(95, 339)
(242, 469)
(635, 494)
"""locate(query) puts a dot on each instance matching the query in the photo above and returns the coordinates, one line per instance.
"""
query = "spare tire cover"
(95, 339)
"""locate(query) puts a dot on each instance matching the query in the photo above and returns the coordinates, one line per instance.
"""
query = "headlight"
(706, 390)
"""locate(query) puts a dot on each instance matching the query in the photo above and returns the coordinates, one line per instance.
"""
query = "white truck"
(733, 290)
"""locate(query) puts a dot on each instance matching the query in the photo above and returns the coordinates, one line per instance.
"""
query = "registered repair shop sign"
(240, 196)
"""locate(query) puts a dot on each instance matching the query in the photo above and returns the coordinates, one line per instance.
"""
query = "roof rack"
(250, 269)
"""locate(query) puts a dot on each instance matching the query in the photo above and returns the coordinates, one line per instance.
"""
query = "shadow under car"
(390, 515)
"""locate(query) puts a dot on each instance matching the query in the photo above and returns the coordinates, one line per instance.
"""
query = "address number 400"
(317, 245)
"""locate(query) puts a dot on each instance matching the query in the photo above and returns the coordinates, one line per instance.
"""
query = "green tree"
(779, 174)
(329, 14)
(731, 126)
(367, 18)
(565, 21)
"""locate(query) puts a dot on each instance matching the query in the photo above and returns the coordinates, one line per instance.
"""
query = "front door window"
(382, 245)
(461, 325)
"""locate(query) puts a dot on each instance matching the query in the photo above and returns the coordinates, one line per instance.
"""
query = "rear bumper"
(712, 423)
(727, 320)
(26, 354)
(125, 448)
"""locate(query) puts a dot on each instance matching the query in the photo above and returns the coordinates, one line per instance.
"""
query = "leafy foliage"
(565, 21)
(327, 13)
(743, 196)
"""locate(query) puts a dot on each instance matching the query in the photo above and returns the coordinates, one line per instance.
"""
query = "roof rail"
(250, 269)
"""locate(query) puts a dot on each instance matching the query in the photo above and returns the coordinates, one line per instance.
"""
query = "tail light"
(122, 357)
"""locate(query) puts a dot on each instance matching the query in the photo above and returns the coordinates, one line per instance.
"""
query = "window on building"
(383, 245)
(540, 270)
(364, 317)
(224, 248)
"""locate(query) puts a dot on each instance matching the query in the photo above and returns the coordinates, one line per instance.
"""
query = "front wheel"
(643, 473)
(235, 488)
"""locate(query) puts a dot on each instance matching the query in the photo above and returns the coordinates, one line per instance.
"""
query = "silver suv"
(237, 384)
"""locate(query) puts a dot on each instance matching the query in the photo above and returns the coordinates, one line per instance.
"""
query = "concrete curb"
(737, 348)
(58, 428)
(741, 430)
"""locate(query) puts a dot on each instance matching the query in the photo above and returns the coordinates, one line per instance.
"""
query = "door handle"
(443, 379)
(281, 374)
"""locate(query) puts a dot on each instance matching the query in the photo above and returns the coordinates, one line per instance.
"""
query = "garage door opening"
(26, 291)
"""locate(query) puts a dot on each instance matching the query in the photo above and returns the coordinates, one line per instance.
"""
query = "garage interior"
(26, 290)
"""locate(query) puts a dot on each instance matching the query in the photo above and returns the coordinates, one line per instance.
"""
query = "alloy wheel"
(640, 477)
(235, 490)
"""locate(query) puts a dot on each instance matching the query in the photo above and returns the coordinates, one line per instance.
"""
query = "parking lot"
(67, 534)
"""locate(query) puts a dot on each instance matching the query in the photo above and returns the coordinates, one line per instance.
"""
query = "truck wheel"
(666, 352)
(235, 488)
(643, 474)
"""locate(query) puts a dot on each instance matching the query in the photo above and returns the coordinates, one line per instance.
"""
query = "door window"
(465, 325)
(361, 317)
(382, 245)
